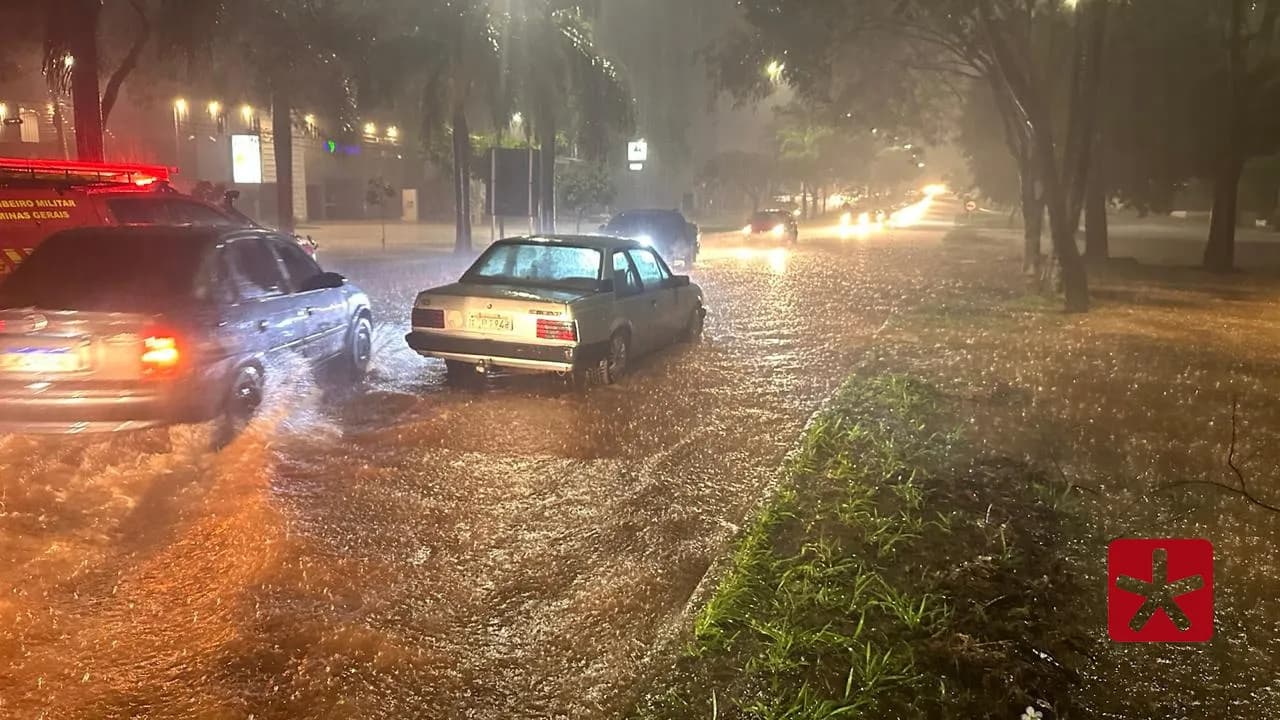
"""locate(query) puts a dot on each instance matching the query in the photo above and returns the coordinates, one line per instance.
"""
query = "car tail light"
(557, 330)
(428, 318)
(160, 354)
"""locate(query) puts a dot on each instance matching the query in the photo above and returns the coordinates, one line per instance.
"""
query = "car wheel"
(360, 349)
(614, 366)
(693, 329)
(239, 407)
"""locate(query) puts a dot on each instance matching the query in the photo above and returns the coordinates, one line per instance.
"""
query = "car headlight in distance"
(746, 230)
(846, 219)
(778, 230)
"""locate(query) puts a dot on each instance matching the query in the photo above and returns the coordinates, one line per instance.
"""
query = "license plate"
(486, 322)
(41, 361)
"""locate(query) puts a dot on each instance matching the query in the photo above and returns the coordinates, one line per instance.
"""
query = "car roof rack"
(71, 172)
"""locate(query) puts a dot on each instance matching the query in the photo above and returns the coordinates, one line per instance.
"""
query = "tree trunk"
(804, 201)
(547, 172)
(282, 141)
(1032, 218)
(1220, 253)
(84, 80)
(1097, 245)
(1062, 229)
(461, 180)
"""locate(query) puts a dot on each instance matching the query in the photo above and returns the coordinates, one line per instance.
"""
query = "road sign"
(637, 151)
(971, 206)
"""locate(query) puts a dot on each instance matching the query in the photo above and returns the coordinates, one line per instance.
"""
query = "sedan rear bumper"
(525, 356)
(58, 409)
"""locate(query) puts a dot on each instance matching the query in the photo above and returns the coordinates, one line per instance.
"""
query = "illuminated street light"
(774, 70)
(4, 111)
(309, 119)
(180, 107)
(215, 108)
(68, 60)
(370, 129)
(393, 132)
(517, 119)
(246, 112)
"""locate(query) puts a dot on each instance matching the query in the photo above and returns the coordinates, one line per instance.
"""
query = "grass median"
(897, 572)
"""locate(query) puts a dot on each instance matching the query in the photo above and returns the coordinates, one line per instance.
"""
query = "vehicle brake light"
(557, 330)
(428, 318)
(160, 353)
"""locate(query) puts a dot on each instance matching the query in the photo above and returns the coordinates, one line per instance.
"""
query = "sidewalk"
(361, 238)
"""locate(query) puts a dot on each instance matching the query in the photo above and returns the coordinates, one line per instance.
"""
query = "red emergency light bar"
(84, 172)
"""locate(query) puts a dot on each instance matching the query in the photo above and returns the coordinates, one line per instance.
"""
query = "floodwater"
(515, 549)
(521, 550)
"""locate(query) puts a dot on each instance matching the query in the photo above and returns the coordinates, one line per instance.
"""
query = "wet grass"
(896, 573)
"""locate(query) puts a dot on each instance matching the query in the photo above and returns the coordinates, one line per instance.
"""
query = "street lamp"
(246, 112)
(371, 129)
(393, 132)
(180, 107)
(774, 70)
(215, 109)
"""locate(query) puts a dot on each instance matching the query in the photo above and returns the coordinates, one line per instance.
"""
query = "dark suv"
(121, 328)
(667, 231)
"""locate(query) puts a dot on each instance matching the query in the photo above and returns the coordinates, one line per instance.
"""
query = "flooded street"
(513, 549)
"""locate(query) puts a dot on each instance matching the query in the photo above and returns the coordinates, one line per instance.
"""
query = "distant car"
(578, 306)
(106, 329)
(666, 231)
(775, 225)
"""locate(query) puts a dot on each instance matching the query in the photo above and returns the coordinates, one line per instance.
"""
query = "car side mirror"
(679, 281)
(324, 281)
(606, 286)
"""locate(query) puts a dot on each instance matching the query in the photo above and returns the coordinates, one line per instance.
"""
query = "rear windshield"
(104, 272)
(537, 264)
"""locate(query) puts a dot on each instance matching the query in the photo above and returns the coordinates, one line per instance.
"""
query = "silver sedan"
(583, 306)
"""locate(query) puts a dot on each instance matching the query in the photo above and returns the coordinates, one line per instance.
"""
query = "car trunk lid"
(44, 346)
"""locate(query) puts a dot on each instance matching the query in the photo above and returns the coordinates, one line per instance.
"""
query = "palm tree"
(558, 73)
(290, 51)
(443, 58)
(70, 31)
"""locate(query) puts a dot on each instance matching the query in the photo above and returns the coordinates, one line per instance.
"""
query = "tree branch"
(1243, 489)
(128, 64)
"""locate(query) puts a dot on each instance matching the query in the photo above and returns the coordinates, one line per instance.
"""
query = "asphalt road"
(511, 550)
